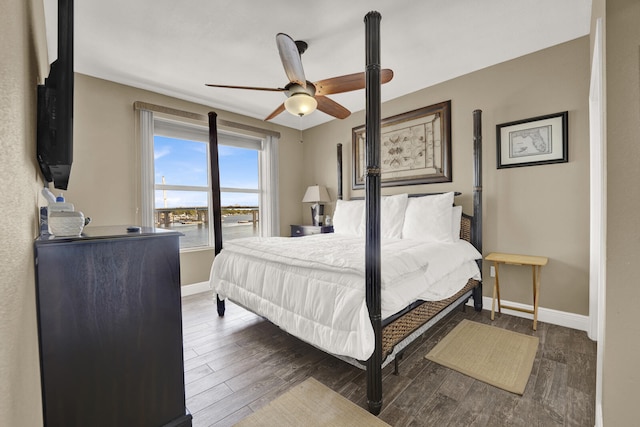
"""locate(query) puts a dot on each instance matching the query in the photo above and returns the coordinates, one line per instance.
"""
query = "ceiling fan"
(303, 97)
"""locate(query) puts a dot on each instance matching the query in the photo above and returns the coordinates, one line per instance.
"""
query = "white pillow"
(348, 218)
(456, 217)
(392, 210)
(429, 218)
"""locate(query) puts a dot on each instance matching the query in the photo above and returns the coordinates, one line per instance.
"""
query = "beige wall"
(20, 403)
(621, 379)
(105, 179)
(539, 210)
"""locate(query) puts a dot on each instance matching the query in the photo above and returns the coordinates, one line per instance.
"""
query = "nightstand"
(307, 230)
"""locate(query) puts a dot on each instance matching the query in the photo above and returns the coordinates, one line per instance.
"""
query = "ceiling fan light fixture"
(300, 104)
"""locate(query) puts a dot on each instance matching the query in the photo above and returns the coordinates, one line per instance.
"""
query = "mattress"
(314, 287)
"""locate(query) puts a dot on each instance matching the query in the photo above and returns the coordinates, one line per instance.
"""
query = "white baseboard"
(195, 288)
(599, 420)
(560, 318)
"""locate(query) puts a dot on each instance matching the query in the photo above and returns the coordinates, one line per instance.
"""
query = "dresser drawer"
(307, 230)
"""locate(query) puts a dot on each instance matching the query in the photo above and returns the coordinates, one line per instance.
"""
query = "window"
(239, 191)
(178, 182)
(181, 188)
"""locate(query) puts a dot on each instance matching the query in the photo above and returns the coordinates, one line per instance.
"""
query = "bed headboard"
(465, 227)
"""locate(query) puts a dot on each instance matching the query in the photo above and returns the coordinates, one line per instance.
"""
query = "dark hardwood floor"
(236, 364)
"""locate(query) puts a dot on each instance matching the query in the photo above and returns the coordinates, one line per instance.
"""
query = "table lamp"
(316, 194)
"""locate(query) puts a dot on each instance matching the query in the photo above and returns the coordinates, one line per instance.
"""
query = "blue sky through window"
(183, 162)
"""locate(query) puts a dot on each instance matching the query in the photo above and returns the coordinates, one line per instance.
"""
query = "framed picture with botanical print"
(537, 141)
(415, 148)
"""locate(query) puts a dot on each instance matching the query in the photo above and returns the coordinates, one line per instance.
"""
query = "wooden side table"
(536, 263)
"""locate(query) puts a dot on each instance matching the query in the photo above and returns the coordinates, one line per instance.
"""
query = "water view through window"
(182, 191)
(236, 223)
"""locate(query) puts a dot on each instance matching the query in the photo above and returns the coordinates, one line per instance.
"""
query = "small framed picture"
(537, 141)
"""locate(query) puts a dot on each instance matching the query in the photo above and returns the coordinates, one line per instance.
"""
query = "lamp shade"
(315, 194)
(300, 104)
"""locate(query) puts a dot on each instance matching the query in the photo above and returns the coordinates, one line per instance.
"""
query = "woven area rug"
(496, 356)
(311, 403)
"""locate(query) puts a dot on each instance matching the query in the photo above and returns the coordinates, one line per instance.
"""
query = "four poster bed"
(405, 251)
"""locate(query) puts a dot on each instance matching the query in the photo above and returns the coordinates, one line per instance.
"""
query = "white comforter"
(314, 288)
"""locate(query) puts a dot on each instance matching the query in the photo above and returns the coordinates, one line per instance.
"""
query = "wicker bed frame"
(392, 339)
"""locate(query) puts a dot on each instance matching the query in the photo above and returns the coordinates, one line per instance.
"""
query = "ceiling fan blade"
(270, 89)
(348, 82)
(331, 107)
(290, 57)
(275, 112)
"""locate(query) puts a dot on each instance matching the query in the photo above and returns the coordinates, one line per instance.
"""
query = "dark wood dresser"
(110, 328)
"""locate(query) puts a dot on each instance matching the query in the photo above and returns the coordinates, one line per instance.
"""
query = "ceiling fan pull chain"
(300, 127)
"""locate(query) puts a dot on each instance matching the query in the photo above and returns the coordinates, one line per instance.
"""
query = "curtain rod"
(139, 105)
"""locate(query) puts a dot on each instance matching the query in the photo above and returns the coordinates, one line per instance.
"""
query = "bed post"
(372, 196)
(476, 226)
(339, 171)
(215, 196)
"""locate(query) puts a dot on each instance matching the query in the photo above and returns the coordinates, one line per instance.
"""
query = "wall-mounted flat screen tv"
(55, 107)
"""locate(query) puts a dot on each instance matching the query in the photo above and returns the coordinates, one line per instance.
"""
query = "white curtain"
(147, 170)
(269, 199)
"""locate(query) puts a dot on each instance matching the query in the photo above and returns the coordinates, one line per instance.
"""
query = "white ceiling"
(174, 47)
